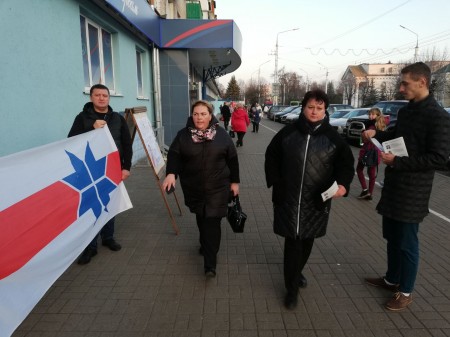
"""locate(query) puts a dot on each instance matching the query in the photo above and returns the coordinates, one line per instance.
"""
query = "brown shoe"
(398, 302)
(380, 282)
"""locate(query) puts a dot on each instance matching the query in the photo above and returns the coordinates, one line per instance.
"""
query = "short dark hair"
(418, 70)
(98, 86)
(318, 95)
(208, 105)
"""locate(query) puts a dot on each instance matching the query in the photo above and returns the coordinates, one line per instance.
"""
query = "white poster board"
(148, 138)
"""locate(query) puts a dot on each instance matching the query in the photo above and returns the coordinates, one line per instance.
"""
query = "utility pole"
(416, 49)
(275, 75)
(307, 79)
(326, 77)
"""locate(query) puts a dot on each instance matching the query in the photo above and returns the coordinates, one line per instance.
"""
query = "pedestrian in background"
(302, 161)
(425, 128)
(239, 123)
(204, 157)
(226, 115)
(96, 114)
(256, 114)
(376, 122)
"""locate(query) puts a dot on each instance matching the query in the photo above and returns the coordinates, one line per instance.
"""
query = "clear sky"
(334, 33)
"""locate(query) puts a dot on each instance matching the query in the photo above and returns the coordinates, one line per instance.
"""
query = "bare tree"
(348, 90)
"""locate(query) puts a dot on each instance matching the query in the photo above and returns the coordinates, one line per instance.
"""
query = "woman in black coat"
(304, 160)
(204, 157)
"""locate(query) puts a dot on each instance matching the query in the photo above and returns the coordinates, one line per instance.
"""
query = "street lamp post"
(259, 82)
(416, 49)
(275, 75)
(307, 78)
(326, 77)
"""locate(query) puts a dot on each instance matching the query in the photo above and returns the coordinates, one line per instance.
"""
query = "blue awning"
(211, 43)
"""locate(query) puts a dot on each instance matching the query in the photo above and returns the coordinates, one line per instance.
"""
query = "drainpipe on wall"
(159, 129)
(157, 88)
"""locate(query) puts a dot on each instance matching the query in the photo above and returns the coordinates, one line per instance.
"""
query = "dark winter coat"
(117, 125)
(206, 170)
(425, 127)
(256, 115)
(226, 112)
(301, 163)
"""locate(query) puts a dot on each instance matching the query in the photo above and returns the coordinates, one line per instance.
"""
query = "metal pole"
(307, 79)
(326, 77)
(416, 49)
(259, 82)
(275, 75)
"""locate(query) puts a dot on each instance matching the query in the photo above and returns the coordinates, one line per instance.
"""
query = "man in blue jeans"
(96, 114)
(425, 128)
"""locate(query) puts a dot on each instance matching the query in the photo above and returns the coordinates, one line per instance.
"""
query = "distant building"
(357, 79)
(383, 79)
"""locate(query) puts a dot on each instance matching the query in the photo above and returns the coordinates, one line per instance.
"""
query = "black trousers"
(255, 126)
(226, 122)
(240, 136)
(296, 254)
(210, 235)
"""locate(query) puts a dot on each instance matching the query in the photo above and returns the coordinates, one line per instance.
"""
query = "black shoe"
(210, 272)
(363, 194)
(86, 256)
(290, 301)
(112, 244)
(303, 282)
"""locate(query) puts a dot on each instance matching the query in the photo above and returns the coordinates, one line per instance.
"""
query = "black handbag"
(370, 158)
(236, 217)
(231, 133)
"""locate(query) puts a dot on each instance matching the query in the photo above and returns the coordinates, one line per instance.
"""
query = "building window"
(390, 70)
(97, 55)
(139, 69)
(382, 70)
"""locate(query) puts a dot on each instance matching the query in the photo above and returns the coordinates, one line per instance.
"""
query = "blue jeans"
(402, 253)
(106, 233)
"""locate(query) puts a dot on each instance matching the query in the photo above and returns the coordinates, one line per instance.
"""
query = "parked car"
(292, 116)
(339, 113)
(339, 123)
(275, 108)
(334, 107)
(355, 126)
(447, 109)
(277, 116)
(390, 107)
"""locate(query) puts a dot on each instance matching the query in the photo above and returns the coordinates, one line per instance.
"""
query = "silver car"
(339, 123)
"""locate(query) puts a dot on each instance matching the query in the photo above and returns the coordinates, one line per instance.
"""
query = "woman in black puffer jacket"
(302, 161)
(205, 158)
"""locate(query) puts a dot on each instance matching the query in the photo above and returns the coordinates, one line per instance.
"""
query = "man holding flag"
(58, 198)
(96, 114)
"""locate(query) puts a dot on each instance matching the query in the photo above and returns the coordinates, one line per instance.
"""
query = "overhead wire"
(361, 25)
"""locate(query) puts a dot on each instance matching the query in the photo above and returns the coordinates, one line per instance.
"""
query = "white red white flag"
(53, 200)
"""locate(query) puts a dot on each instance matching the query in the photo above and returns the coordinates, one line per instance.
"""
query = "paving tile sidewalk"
(155, 285)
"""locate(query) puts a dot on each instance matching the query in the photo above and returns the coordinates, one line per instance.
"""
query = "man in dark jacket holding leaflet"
(304, 160)
(96, 114)
(425, 128)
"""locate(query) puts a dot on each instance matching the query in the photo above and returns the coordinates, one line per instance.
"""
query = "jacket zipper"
(301, 185)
